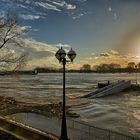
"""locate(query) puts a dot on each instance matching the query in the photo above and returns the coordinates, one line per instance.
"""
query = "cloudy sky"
(100, 31)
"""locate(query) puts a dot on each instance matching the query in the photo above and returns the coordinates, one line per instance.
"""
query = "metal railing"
(78, 130)
(89, 132)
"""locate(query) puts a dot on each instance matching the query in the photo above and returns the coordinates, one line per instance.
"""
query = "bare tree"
(86, 67)
(138, 65)
(131, 65)
(10, 31)
(113, 67)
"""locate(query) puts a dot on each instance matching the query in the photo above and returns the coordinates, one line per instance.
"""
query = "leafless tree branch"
(9, 33)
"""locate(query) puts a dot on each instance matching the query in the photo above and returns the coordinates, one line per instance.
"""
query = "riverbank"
(9, 105)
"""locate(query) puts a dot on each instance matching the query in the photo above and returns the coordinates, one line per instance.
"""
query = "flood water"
(113, 112)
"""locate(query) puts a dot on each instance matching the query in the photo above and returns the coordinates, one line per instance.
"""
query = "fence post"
(73, 123)
(109, 135)
(89, 130)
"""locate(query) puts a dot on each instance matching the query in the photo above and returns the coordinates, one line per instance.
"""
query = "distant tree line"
(47, 70)
(112, 67)
(102, 68)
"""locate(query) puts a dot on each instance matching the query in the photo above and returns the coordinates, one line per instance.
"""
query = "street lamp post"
(61, 56)
(136, 74)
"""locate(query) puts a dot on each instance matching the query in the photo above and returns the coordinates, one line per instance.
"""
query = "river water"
(113, 112)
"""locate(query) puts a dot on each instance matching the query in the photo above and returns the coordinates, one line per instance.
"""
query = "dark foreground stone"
(6, 136)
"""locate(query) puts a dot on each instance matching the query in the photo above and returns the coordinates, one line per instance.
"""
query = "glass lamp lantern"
(71, 55)
(60, 54)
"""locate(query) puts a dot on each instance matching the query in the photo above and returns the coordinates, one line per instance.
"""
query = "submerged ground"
(117, 112)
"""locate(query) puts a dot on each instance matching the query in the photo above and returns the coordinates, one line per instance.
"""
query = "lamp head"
(71, 55)
(60, 54)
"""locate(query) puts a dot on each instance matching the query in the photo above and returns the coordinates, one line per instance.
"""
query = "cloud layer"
(39, 54)
(35, 9)
(112, 56)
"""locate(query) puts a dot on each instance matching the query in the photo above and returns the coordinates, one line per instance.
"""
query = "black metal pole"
(64, 126)
(136, 77)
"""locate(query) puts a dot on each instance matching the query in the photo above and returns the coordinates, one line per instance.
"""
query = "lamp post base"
(64, 139)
